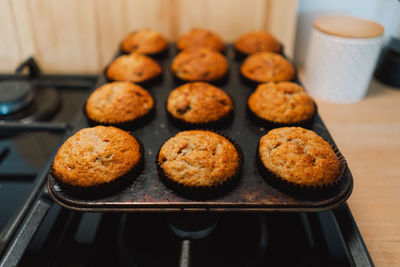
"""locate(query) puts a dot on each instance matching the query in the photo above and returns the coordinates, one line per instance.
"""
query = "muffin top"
(95, 156)
(265, 67)
(282, 102)
(257, 41)
(199, 64)
(134, 67)
(199, 103)
(199, 159)
(299, 156)
(118, 102)
(200, 38)
(144, 41)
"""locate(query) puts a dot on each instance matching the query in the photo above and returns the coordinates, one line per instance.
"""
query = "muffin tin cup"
(125, 125)
(204, 192)
(106, 189)
(307, 123)
(146, 84)
(303, 191)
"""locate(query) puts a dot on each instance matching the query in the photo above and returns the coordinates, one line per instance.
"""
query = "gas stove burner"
(147, 240)
(191, 227)
(43, 104)
(14, 96)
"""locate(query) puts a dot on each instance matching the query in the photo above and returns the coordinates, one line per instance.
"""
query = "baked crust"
(118, 102)
(200, 38)
(134, 67)
(144, 41)
(257, 41)
(199, 159)
(299, 156)
(96, 156)
(265, 67)
(199, 64)
(199, 103)
(282, 102)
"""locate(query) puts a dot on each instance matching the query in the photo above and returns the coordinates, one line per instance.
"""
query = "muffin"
(257, 41)
(199, 64)
(134, 67)
(119, 104)
(144, 41)
(97, 157)
(298, 158)
(200, 38)
(284, 103)
(263, 67)
(199, 103)
(194, 161)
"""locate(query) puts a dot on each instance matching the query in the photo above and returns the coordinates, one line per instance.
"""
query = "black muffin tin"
(251, 193)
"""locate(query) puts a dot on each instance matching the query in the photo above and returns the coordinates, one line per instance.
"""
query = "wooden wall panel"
(111, 26)
(9, 51)
(23, 27)
(65, 35)
(229, 18)
(73, 36)
(154, 14)
(282, 21)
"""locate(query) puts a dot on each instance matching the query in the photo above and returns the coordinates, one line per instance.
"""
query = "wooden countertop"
(368, 135)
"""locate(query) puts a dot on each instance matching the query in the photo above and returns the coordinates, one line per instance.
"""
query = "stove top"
(327, 238)
(37, 232)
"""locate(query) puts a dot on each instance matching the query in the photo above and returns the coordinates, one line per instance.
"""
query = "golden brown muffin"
(299, 156)
(96, 156)
(199, 103)
(265, 67)
(199, 159)
(257, 41)
(118, 102)
(134, 67)
(199, 64)
(282, 102)
(200, 38)
(144, 41)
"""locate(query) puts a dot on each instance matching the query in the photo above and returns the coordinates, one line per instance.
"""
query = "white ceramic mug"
(339, 69)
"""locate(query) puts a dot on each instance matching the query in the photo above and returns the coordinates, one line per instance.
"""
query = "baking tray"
(252, 193)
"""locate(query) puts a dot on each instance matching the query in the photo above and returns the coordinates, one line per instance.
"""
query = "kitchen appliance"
(388, 66)
(36, 231)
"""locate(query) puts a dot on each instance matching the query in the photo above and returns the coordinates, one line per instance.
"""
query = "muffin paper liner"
(146, 84)
(203, 192)
(124, 125)
(303, 190)
(240, 56)
(307, 123)
(217, 82)
(159, 55)
(252, 84)
(177, 50)
(222, 122)
(106, 189)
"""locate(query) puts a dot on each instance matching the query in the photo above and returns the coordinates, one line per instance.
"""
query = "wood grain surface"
(368, 134)
(72, 36)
